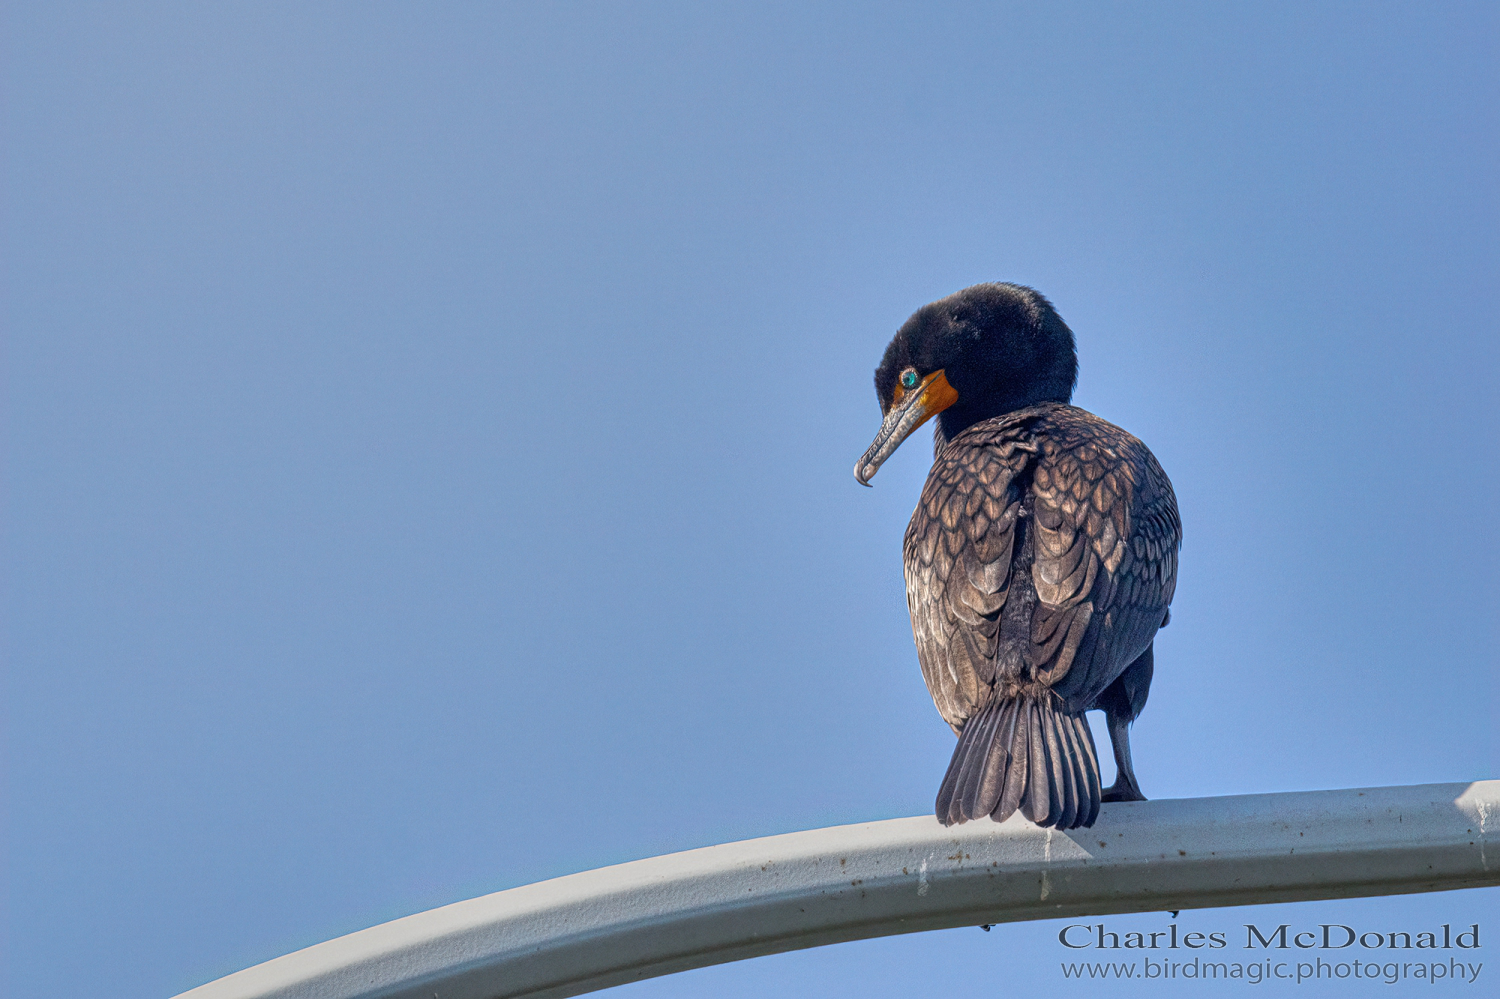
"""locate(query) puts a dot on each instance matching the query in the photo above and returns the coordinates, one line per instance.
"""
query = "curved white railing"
(686, 910)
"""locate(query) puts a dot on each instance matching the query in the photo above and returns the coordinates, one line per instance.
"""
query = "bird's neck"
(956, 419)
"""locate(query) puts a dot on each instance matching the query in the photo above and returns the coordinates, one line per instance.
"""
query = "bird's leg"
(1125, 787)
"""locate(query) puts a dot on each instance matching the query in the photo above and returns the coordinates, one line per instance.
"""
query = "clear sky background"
(431, 429)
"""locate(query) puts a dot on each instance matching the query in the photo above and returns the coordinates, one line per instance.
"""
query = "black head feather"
(1003, 347)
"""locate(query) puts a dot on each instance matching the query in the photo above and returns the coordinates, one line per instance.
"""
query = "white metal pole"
(686, 910)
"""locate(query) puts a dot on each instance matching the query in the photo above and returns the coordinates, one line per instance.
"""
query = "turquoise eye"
(908, 379)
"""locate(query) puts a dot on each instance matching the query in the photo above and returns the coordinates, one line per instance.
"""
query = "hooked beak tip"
(904, 416)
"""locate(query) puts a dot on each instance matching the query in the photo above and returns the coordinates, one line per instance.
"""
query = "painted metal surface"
(686, 910)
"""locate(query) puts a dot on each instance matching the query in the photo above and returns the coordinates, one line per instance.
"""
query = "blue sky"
(430, 433)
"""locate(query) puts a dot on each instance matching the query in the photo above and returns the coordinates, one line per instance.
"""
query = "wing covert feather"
(1107, 535)
(958, 553)
(1103, 557)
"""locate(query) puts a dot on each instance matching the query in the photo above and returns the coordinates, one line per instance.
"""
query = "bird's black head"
(982, 352)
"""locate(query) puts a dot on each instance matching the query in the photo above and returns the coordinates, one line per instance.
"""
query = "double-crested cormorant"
(1040, 560)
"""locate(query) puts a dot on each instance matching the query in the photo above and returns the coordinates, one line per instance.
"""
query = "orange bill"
(909, 410)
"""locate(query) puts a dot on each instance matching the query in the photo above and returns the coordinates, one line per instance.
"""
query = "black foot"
(1122, 792)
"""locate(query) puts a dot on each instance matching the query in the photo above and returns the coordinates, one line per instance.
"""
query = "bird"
(1040, 561)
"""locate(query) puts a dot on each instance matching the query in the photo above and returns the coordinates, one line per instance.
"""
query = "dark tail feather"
(975, 765)
(1087, 762)
(1037, 799)
(992, 782)
(1022, 753)
(968, 759)
(1060, 752)
(1015, 770)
